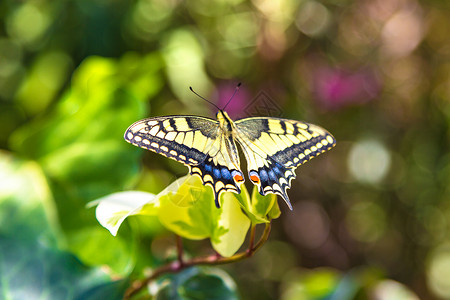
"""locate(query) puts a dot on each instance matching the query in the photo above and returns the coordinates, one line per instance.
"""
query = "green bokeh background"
(370, 217)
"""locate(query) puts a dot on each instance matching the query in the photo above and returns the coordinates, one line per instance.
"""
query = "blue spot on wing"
(272, 175)
(208, 168)
(216, 173)
(263, 175)
(226, 174)
(277, 171)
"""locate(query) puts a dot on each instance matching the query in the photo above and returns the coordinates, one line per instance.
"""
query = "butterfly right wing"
(274, 148)
(196, 142)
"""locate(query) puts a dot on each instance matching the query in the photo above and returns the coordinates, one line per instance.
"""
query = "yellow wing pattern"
(196, 142)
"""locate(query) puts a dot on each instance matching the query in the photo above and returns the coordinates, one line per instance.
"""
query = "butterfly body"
(273, 148)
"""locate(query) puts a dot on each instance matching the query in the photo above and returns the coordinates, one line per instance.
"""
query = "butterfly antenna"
(235, 91)
(192, 90)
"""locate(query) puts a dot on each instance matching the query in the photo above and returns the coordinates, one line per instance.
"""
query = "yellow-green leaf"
(113, 209)
(235, 223)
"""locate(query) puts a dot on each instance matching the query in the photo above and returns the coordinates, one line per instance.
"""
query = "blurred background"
(371, 217)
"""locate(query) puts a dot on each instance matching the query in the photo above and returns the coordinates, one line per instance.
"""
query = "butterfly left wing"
(274, 148)
(196, 142)
(185, 139)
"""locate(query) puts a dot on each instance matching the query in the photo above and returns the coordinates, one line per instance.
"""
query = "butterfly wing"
(274, 148)
(196, 142)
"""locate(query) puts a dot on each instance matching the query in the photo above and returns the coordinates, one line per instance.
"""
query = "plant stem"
(179, 265)
(179, 242)
(252, 237)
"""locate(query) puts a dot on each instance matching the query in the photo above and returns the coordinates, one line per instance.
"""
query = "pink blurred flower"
(336, 88)
(240, 101)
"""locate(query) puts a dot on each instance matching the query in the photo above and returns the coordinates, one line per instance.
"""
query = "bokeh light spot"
(392, 290)
(277, 10)
(150, 17)
(438, 272)
(313, 18)
(184, 57)
(402, 33)
(239, 30)
(369, 161)
(28, 23)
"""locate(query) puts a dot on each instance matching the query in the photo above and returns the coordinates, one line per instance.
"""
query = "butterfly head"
(221, 116)
(225, 121)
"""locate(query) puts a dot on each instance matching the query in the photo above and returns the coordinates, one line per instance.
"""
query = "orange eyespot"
(238, 178)
(254, 178)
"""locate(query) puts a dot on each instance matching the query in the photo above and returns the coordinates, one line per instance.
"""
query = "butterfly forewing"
(274, 148)
(196, 142)
(184, 139)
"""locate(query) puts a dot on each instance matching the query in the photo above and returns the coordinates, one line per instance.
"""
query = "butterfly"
(273, 148)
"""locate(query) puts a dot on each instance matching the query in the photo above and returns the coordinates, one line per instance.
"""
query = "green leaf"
(187, 208)
(30, 265)
(26, 207)
(232, 228)
(265, 207)
(274, 212)
(197, 283)
(30, 270)
(113, 209)
(258, 208)
(94, 246)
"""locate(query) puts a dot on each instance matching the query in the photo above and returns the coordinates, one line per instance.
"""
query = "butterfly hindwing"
(195, 141)
(274, 148)
(220, 169)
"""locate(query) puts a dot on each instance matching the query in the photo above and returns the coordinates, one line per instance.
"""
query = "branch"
(252, 237)
(179, 265)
